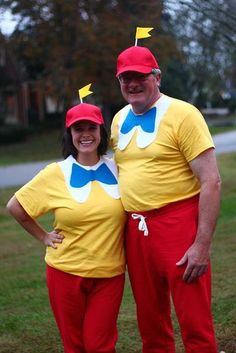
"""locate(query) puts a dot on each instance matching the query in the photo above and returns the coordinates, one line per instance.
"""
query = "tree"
(67, 44)
(206, 33)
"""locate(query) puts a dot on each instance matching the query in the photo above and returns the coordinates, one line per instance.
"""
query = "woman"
(84, 256)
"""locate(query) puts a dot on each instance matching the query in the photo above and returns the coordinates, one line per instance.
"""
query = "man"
(170, 187)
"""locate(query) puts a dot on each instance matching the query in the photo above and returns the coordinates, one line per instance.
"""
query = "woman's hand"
(52, 238)
(32, 226)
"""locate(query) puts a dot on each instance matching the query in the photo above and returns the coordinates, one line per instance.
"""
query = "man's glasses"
(128, 77)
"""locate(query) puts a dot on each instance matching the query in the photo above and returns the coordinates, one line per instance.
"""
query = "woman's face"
(86, 137)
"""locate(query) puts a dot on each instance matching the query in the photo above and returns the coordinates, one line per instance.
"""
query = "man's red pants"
(155, 278)
(86, 310)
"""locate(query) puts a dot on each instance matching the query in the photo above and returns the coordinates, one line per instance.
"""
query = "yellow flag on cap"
(142, 32)
(84, 91)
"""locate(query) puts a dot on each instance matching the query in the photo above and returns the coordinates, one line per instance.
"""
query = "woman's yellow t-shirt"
(92, 229)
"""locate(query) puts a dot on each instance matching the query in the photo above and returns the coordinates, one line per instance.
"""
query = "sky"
(7, 22)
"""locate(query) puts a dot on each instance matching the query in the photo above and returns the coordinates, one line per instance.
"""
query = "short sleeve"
(193, 135)
(34, 196)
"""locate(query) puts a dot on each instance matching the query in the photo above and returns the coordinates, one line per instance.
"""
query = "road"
(225, 142)
(16, 175)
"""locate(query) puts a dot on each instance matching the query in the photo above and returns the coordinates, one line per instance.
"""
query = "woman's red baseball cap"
(84, 111)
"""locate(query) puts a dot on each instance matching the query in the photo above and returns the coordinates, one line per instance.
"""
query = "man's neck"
(140, 111)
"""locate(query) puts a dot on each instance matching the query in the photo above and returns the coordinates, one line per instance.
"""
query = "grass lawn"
(47, 146)
(26, 322)
(219, 129)
(37, 147)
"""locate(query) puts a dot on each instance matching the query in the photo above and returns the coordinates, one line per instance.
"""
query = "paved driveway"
(225, 142)
(21, 173)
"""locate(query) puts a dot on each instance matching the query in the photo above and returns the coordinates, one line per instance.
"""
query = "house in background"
(21, 101)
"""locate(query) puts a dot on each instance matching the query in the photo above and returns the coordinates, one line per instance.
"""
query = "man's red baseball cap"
(136, 58)
(84, 111)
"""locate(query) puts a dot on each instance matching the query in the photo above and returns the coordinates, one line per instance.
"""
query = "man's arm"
(197, 256)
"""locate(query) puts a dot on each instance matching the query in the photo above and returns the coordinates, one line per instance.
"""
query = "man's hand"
(197, 259)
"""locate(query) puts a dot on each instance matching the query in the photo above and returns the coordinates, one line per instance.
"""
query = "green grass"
(46, 145)
(26, 321)
(220, 129)
(42, 146)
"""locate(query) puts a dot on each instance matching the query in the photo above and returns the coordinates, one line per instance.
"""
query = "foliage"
(176, 79)
(67, 44)
(12, 134)
(206, 32)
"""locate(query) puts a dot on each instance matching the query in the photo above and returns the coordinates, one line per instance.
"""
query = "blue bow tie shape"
(146, 121)
(80, 176)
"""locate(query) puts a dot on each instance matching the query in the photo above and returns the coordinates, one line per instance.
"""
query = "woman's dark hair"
(69, 149)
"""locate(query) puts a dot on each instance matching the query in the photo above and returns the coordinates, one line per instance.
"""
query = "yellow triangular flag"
(83, 92)
(143, 32)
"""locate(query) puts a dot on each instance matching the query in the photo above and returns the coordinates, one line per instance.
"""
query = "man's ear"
(158, 78)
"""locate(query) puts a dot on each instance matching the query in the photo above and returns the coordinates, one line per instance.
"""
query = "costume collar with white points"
(145, 134)
(80, 189)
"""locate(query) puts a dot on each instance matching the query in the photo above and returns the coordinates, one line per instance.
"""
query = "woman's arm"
(31, 226)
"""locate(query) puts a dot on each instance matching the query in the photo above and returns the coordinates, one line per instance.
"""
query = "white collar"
(80, 194)
(143, 138)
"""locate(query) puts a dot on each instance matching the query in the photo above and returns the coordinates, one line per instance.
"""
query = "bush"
(12, 134)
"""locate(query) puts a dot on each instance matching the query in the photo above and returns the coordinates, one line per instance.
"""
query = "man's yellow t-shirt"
(92, 225)
(153, 161)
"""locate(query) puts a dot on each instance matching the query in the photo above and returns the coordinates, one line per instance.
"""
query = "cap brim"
(92, 119)
(136, 68)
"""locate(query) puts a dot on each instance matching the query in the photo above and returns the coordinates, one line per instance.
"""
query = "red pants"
(155, 277)
(85, 310)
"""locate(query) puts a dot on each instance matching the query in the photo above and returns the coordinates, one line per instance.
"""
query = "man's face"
(140, 90)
